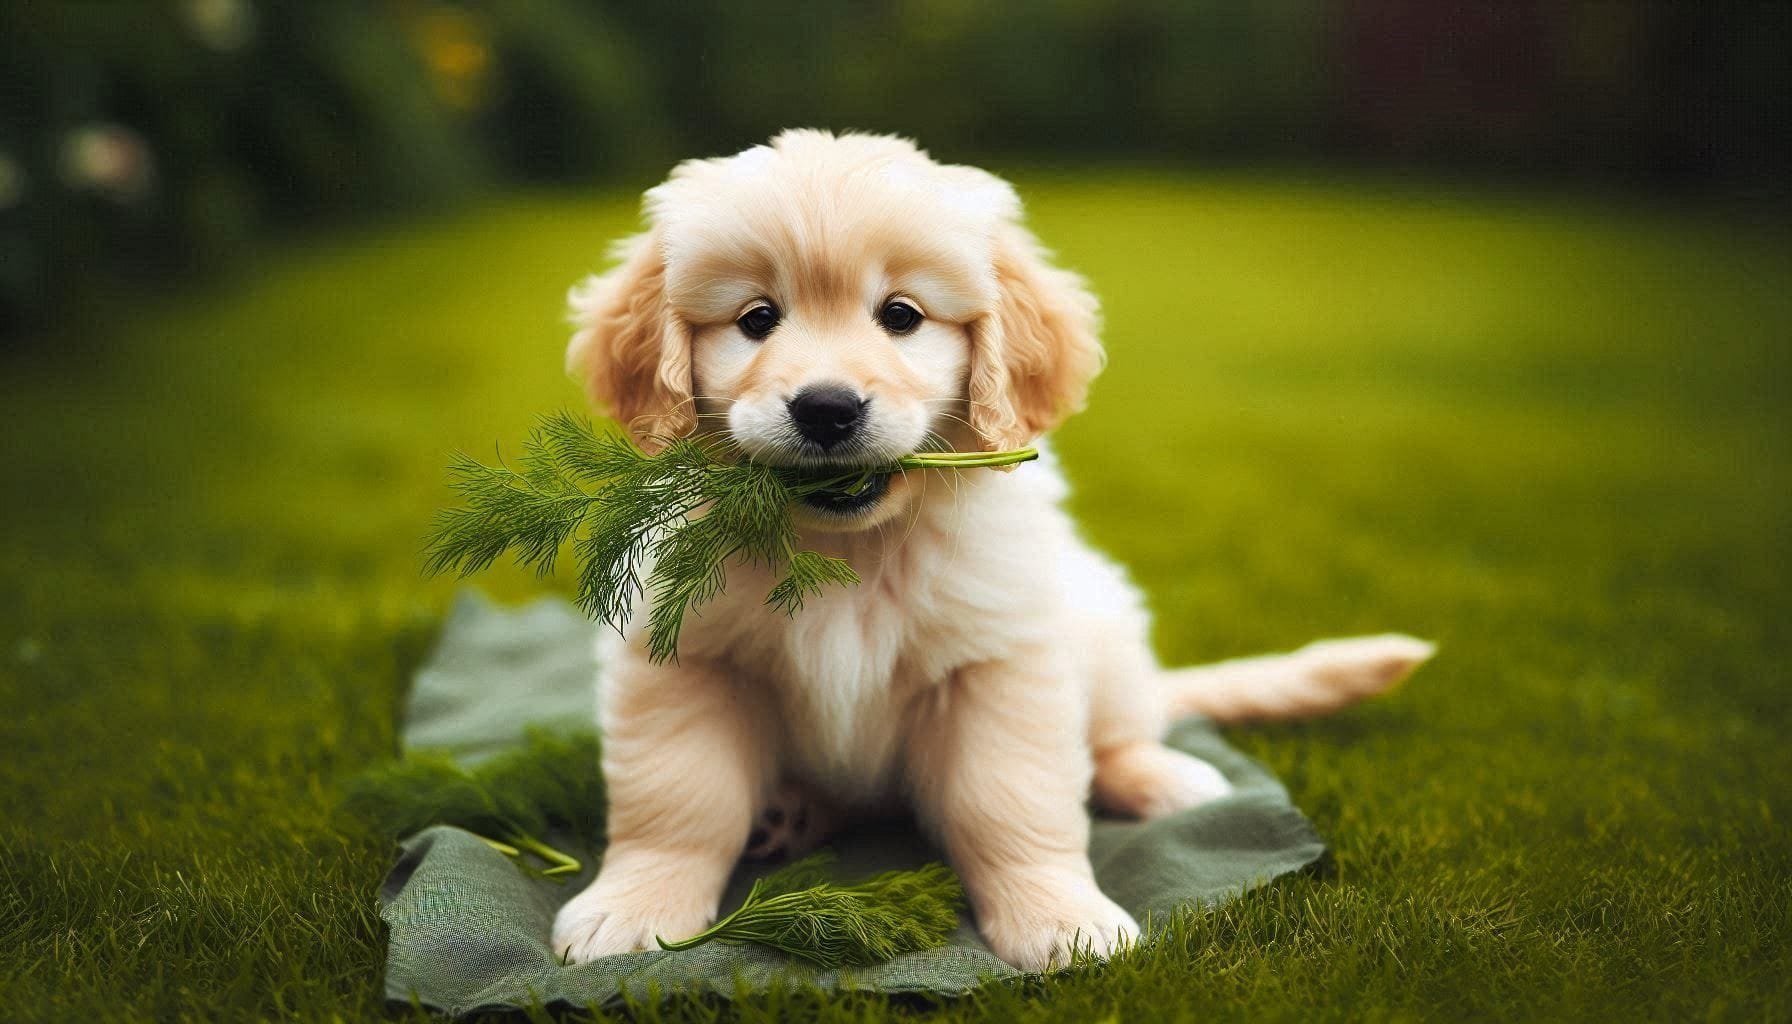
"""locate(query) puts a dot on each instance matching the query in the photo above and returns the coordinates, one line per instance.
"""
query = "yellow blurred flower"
(455, 47)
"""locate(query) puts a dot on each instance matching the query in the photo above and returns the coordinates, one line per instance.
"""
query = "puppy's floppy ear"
(1034, 355)
(631, 353)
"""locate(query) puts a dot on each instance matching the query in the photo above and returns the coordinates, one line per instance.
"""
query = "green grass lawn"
(1554, 438)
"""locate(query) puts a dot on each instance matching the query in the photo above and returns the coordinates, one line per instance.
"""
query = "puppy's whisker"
(914, 514)
(935, 437)
(957, 419)
(955, 484)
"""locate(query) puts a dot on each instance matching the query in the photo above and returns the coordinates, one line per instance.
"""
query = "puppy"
(831, 301)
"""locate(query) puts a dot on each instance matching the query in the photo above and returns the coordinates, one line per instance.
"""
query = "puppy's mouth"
(851, 496)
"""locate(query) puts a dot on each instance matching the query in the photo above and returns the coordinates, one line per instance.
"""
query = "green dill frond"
(532, 511)
(551, 783)
(690, 569)
(805, 873)
(657, 528)
(808, 574)
(422, 790)
(797, 911)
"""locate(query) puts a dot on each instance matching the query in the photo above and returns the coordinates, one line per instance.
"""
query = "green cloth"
(469, 931)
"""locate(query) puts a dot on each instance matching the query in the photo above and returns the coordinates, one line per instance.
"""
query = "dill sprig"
(548, 784)
(665, 525)
(798, 911)
(551, 784)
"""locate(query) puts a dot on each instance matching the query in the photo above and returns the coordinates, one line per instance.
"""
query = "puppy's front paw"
(603, 922)
(1042, 936)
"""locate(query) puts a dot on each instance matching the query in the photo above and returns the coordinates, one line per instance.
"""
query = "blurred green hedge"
(153, 138)
(150, 140)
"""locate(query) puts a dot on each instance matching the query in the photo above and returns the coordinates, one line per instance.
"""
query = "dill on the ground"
(519, 802)
(513, 801)
(665, 525)
(797, 910)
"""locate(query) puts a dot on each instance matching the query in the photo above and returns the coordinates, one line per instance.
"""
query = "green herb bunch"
(678, 517)
(550, 786)
(799, 911)
(513, 801)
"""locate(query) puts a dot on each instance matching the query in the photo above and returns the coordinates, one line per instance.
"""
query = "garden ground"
(1552, 436)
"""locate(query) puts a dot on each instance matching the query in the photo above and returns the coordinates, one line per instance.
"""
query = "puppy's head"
(836, 302)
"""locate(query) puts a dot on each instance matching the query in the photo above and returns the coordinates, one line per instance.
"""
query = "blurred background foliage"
(151, 140)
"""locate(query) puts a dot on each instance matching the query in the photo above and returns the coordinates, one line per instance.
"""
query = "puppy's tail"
(1319, 678)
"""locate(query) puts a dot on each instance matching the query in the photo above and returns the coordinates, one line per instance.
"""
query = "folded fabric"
(469, 930)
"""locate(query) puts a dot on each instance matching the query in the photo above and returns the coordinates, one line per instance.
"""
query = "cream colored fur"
(992, 671)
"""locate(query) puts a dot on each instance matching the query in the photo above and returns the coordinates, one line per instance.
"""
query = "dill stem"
(504, 848)
(966, 460)
(713, 930)
(562, 864)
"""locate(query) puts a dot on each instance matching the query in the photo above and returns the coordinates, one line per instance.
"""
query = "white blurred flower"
(223, 25)
(108, 159)
(12, 182)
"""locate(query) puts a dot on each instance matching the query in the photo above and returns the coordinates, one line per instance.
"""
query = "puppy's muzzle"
(827, 414)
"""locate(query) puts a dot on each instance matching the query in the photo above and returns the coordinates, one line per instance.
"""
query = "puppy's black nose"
(826, 415)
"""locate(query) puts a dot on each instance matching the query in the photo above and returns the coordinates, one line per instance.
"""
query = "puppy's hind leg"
(1136, 776)
(793, 824)
(1139, 777)
(1145, 779)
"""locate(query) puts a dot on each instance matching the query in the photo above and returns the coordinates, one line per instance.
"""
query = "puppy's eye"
(899, 317)
(758, 322)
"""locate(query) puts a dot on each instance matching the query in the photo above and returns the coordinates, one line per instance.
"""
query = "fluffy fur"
(993, 671)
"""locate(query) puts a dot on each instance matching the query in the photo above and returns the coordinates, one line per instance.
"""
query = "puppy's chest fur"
(849, 673)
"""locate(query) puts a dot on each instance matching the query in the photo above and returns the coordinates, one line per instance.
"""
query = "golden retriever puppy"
(842, 300)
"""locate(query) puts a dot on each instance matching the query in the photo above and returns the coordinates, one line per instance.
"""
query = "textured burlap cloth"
(469, 930)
